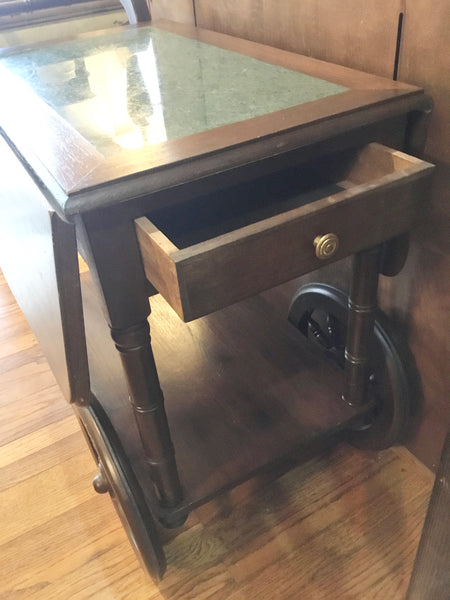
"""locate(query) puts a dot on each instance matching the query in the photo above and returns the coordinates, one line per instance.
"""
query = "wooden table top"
(111, 115)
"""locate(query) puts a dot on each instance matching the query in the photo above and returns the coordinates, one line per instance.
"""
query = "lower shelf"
(242, 390)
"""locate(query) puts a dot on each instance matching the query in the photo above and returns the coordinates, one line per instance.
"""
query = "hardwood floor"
(344, 525)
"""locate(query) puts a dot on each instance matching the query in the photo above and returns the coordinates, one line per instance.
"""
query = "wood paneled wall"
(343, 32)
(363, 35)
(181, 11)
(425, 61)
(424, 301)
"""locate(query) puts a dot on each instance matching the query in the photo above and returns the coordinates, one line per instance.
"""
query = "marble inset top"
(137, 87)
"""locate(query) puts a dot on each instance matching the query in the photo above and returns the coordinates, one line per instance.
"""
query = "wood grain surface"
(358, 34)
(430, 579)
(361, 35)
(425, 56)
(227, 254)
(39, 257)
(345, 524)
(173, 10)
(78, 167)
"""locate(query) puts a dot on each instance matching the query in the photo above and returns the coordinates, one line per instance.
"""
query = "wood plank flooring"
(345, 525)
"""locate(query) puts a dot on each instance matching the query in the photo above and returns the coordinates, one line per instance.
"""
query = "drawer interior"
(215, 214)
(226, 210)
(222, 247)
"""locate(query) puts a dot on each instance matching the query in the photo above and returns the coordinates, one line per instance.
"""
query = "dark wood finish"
(351, 35)
(362, 304)
(394, 255)
(417, 128)
(109, 246)
(68, 162)
(213, 272)
(382, 122)
(267, 538)
(430, 579)
(241, 390)
(123, 287)
(39, 257)
(147, 399)
(106, 195)
(116, 476)
(321, 314)
(93, 181)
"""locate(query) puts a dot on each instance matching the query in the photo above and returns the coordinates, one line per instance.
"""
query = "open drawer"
(224, 247)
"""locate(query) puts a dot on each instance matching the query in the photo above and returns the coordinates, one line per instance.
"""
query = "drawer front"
(217, 272)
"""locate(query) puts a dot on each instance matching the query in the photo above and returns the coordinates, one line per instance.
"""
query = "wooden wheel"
(319, 312)
(117, 477)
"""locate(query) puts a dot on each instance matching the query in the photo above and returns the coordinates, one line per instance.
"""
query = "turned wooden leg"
(147, 399)
(123, 286)
(362, 305)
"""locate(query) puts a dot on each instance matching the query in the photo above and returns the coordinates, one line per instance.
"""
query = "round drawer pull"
(326, 245)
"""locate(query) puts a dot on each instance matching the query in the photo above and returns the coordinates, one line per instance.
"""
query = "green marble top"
(138, 87)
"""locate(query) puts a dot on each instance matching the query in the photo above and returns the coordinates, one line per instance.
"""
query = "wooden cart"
(213, 171)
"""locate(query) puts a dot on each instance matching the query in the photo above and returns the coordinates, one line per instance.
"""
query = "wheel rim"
(392, 366)
(118, 479)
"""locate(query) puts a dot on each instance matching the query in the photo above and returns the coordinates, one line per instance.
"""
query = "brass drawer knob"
(326, 245)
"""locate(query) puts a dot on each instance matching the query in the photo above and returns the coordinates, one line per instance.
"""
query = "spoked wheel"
(116, 477)
(319, 312)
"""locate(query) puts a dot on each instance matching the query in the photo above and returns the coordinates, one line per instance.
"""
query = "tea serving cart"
(212, 171)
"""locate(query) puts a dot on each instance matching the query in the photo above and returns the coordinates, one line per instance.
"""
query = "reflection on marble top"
(136, 87)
